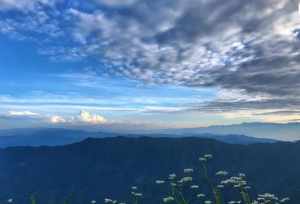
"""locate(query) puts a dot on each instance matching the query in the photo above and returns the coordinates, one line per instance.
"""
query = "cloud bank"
(84, 117)
(87, 117)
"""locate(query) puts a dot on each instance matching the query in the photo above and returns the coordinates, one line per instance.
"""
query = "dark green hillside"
(96, 168)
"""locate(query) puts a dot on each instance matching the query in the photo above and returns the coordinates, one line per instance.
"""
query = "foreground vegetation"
(186, 189)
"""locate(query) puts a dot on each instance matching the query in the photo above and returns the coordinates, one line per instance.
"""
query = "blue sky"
(152, 64)
(34, 83)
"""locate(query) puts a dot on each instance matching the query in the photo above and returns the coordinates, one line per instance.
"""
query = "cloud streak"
(22, 113)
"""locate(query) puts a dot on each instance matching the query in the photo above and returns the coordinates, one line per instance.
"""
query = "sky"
(148, 64)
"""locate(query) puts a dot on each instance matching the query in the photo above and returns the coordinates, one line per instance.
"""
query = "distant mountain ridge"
(277, 131)
(48, 137)
(55, 137)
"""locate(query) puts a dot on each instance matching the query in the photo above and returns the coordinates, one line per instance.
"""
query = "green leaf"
(33, 200)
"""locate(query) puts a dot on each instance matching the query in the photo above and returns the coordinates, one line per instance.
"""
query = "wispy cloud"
(22, 113)
(117, 2)
(24, 5)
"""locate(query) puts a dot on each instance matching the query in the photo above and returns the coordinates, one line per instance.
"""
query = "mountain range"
(277, 131)
(56, 136)
(108, 167)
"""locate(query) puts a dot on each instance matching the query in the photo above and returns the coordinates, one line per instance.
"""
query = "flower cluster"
(185, 190)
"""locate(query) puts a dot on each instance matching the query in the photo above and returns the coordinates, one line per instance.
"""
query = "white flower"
(93, 202)
(208, 156)
(168, 199)
(202, 159)
(207, 202)
(138, 194)
(267, 196)
(234, 202)
(194, 186)
(173, 184)
(159, 182)
(188, 171)
(220, 186)
(134, 188)
(10, 200)
(283, 200)
(200, 195)
(222, 173)
(187, 179)
(237, 182)
(107, 200)
(172, 176)
(242, 175)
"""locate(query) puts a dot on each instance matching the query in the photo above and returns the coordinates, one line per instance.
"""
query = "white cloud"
(236, 95)
(22, 113)
(164, 109)
(117, 2)
(248, 49)
(276, 116)
(87, 117)
(90, 23)
(83, 117)
(57, 119)
(23, 5)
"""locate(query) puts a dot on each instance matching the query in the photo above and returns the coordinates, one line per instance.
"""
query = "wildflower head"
(108, 200)
(186, 171)
(284, 200)
(200, 195)
(208, 156)
(234, 202)
(186, 179)
(168, 199)
(172, 176)
(242, 175)
(10, 200)
(205, 157)
(202, 159)
(222, 173)
(159, 181)
(194, 186)
(220, 186)
(93, 202)
(236, 181)
(137, 194)
(173, 184)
